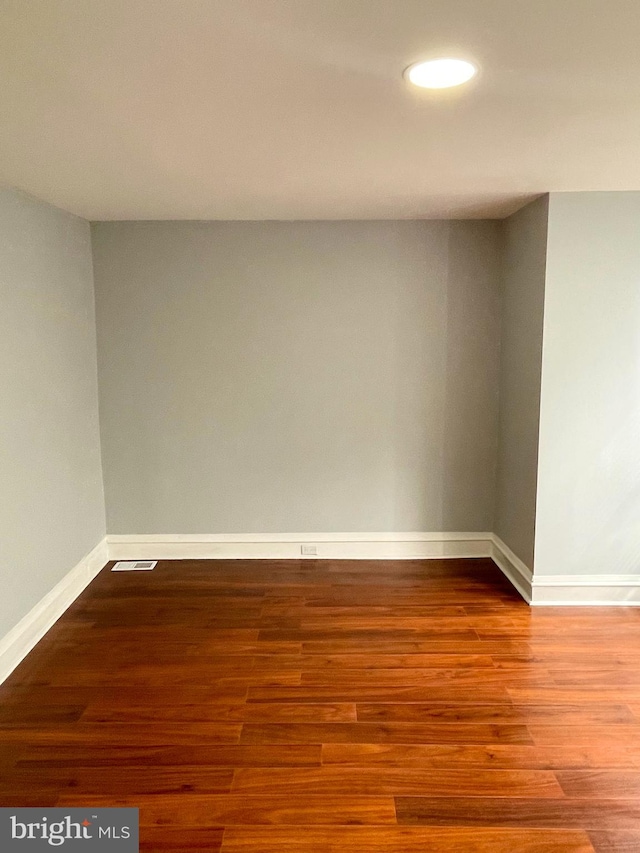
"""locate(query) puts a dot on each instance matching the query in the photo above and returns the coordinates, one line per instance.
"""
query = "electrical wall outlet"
(309, 550)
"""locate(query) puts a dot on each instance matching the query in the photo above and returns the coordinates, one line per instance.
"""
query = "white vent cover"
(135, 566)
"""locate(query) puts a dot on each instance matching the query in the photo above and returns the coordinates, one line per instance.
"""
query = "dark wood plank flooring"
(328, 706)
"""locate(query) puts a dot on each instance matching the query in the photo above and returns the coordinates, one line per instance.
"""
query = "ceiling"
(296, 109)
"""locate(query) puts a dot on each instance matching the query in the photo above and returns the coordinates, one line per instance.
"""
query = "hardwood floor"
(266, 707)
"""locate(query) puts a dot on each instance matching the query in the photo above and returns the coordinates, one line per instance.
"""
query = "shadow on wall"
(446, 384)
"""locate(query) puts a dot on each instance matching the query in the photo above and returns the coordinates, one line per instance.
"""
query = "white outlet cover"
(309, 550)
(135, 566)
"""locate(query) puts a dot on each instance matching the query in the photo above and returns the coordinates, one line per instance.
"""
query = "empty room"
(320, 426)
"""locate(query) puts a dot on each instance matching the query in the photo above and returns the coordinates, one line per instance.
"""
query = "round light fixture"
(440, 73)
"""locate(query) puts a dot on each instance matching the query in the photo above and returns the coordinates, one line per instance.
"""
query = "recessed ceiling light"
(440, 73)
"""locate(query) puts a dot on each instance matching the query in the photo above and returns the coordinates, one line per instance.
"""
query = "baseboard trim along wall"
(17, 644)
(586, 590)
(289, 546)
(512, 567)
(557, 590)
(565, 590)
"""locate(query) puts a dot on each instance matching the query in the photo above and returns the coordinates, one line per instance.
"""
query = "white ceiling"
(296, 109)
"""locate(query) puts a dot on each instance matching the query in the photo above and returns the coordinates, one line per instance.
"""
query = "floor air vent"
(134, 566)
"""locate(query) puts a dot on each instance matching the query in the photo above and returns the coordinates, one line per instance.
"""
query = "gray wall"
(308, 376)
(588, 512)
(51, 501)
(524, 238)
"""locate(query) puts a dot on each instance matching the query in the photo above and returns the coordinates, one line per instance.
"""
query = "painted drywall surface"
(588, 511)
(307, 376)
(524, 244)
(51, 498)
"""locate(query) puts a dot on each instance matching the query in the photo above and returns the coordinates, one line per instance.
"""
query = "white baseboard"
(17, 644)
(287, 546)
(565, 590)
(587, 590)
(512, 567)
